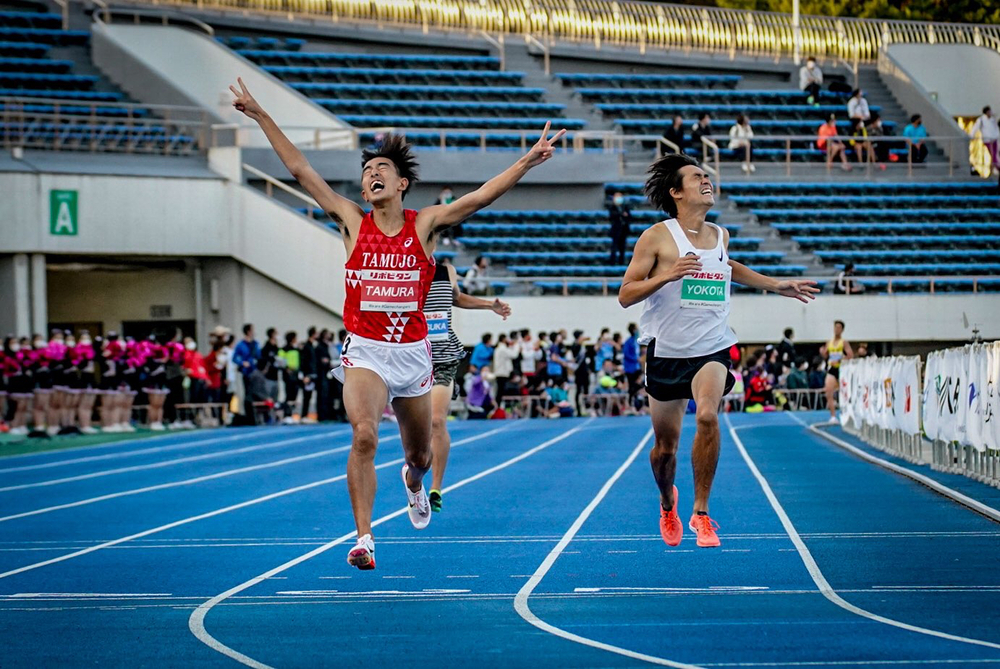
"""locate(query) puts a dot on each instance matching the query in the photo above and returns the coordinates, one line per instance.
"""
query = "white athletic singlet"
(690, 317)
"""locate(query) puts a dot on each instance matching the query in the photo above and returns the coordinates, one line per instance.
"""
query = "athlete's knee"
(439, 425)
(666, 444)
(365, 439)
(707, 419)
(419, 460)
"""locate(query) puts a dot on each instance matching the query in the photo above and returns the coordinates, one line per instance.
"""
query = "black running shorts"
(834, 372)
(670, 378)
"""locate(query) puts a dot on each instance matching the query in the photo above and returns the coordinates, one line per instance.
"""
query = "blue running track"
(225, 548)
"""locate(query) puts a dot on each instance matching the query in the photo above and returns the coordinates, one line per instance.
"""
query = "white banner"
(881, 391)
(961, 400)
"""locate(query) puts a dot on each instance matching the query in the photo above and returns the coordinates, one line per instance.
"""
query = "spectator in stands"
(245, 357)
(610, 380)
(988, 131)
(630, 362)
(880, 148)
(503, 361)
(811, 80)
(703, 128)
(859, 140)
(482, 353)
(583, 366)
(479, 392)
(917, 134)
(558, 396)
(798, 378)
(324, 363)
(817, 373)
(620, 217)
(559, 366)
(740, 141)
(604, 349)
(786, 349)
(288, 356)
(675, 134)
(826, 141)
(760, 391)
(268, 364)
(475, 282)
(307, 372)
(846, 283)
(196, 372)
(215, 365)
(857, 107)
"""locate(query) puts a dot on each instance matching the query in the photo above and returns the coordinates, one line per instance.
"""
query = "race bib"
(391, 291)
(437, 325)
(706, 290)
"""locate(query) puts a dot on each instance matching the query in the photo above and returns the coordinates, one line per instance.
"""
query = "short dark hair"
(397, 150)
(478, 260)
(915, 118)
(290, 336)
(841, 323)
(705, 114)
(311, 331)
(632, 328)
(788, 333)
(664, 176)
(987, 109)
(271, 332)
(577, 334)
(247, 327)
(741, 118)
(487, 337)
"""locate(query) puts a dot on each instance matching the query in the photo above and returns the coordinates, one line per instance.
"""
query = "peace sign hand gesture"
(542, 150)
(245, 102)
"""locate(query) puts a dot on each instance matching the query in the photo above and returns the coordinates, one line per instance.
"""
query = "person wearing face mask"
(18, 383)
(811, 80)
(621, 218)
(195, 375)
(71, 391)
(55, 352)
(84, 360)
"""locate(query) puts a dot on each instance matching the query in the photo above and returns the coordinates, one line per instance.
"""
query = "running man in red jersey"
(386, 356)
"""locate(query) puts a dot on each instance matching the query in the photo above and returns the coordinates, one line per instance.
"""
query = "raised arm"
(343, 210)
(637, 284)
(444, 215)
(802, 290)
(466, 301)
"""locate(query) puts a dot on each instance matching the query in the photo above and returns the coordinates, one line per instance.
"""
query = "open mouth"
(707, 190)
(376, 187)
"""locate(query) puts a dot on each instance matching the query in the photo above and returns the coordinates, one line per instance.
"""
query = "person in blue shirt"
(917, 134)
(482, 353)
(246, 355)
(557, 365)
(630, 361)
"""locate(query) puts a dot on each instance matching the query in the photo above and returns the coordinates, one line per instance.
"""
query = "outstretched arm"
(637, 284)
(465, 301)
(444, 215)
(801, 289)
(343, 210)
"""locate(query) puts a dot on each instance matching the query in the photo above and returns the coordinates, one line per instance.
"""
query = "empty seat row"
(45, 36)
(867, 201)
(889, 214)
(910, 269)
(649, 80)
(36, 65)
(566, 231)
(30, 19)
(79, 110)
(33, 80)
(380, 121)
(23, 49)
(693, 111)
(821, 242)
(458, 140)
(440, 108)
(922, 256)
(375, 75)
(380, 91)
(490, 242)
(860, 188)
(950, 284)
(599, 257)
(263, 44)
(710, 96)
(369, 60)
(619, 270)
(760, 126)
(888, 227)
(551, 217)
(89, 96)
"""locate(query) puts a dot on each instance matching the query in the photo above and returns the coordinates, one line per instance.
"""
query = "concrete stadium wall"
(937, 68)
(761, 318)
(160, 64)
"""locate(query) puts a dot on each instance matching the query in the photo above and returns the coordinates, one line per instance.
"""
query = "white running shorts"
(405, 369)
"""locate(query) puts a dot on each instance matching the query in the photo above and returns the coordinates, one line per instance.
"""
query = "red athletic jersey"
(387, 279)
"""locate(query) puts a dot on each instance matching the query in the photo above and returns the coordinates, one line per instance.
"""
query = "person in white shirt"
(739, 141)
(857, 107)
(474, 283)
(504, 355)
(986, 127)
(811, 80)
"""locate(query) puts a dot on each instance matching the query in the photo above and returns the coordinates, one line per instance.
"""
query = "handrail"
(106, 11)
(64, 6)
(634, 23)
(127, 106)
(498, 44)
(708, 144)
(546, 52)
(165, 17)
(271, 183)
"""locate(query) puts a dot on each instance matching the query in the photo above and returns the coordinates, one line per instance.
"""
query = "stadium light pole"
(796, 34)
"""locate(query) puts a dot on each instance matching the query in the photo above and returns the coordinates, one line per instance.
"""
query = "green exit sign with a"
(63, 218)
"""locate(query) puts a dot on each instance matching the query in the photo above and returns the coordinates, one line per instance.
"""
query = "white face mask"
(810, 65)
(191, 346)
(41, 343)
(14, 348)
(85, 341)
(71, 342)
(619, 200)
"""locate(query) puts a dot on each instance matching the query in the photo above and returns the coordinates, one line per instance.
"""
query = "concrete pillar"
(39, 295)
(22, 296)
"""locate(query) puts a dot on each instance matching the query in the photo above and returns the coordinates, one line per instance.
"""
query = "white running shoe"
(362, 555)
(88, 430)
(420, 506)
(53, 430)
(125, 427)
(833, 421)
(158, 427)
(19, 431)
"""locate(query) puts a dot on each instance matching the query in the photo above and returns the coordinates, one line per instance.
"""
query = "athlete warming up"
(834, 351)
(390, 265)
(681, 269)
(446, 354)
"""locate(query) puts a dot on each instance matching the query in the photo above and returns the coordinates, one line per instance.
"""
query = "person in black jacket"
(786, 350)
(703, 128)
(621, 217)
(307, 372)
(675, 134)
(324, 358)
(268, 364)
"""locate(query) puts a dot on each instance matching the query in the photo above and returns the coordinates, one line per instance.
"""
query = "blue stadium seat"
(88, 96)
(30, 20)
(441, 108)
(45, 36)
(648, 80)
(888, 227)
(399, 92)
(983, 214)
(394, 76)
(76, 82)
(368, 60)
(35, 65)
(457, 122)
(23, 49)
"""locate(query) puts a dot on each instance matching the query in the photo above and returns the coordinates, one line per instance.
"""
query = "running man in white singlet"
(682, 270)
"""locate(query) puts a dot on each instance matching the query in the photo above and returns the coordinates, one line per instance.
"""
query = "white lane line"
(187, 482)
(392, 577)
(186, 521)
(711, 590)
(464, 576)
(161, 463)
(521, 600)
(852, 663)
(813, 568)
(114, 595)
(196, 623)
(952, 494)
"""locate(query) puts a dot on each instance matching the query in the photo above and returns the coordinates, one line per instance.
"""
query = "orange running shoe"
(671, 528)
(705, 528)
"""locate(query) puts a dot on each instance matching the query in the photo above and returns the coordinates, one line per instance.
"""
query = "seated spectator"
(703, 128)
(760, 391)
(740, 136)
(880, 149)
(917, 134)
(826, 141)
(610, 380)
(857, 107)
(798, 378)
(846, 284)
(479, 393)
(475, 282)
(817, 373)
(811, 80)
(675, 134)
(859, 140)
(558, 396)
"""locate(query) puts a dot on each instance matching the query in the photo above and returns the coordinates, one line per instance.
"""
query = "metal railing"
(635, 24)
(92, 126)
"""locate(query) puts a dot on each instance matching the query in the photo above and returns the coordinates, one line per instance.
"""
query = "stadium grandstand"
(177, 306)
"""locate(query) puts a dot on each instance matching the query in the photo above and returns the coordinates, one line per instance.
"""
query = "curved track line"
(159, 464)
(196, 623)
(954, 495)
(813, 568)
(521, 600)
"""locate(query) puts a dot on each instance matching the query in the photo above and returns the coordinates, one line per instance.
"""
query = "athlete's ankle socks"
(701, 513)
